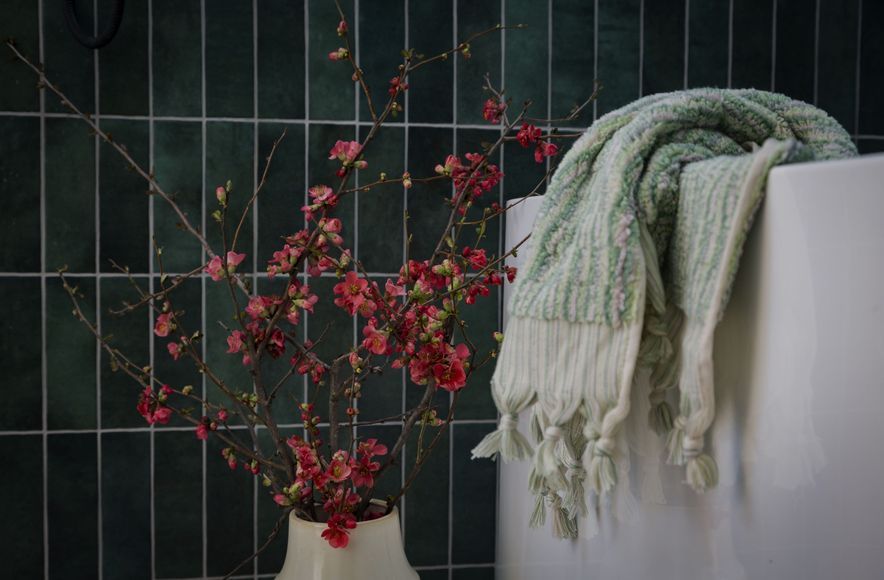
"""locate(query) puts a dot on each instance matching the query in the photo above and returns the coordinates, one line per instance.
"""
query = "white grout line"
(816, 55)
(150, 265)
(859, 44)
(44, 363)
(687, 39)
(98, 325)
(730, 44)
(773, 47)
(203, 446)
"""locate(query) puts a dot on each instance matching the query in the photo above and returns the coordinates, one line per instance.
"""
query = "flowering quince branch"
(413, 321)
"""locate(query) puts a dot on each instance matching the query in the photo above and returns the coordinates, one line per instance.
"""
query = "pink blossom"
(164, 324)
(338, 468)
(215, 269)
(221, 194)
(234, 260)
(371, 448)
(545, 149)
(162, 415)
(493, 110)
(476, 258)
(337, 534)
(450, 376)
(351, 291)
(202, 432)
(342, 28)
(175, 349)
(340, 54)
(345, 151)
(235, 341)
(222, 415)
(528, 134)
(282, 499)
(375, 341)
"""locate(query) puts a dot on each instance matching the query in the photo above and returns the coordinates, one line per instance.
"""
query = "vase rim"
(293, 517)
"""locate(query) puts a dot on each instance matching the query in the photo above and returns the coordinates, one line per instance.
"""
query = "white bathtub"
(799, 432)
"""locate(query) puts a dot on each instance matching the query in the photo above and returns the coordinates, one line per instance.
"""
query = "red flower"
(528, 134)
(493, 111)
(352, 292)
(451, 376)
(545, 149)
(337, 534)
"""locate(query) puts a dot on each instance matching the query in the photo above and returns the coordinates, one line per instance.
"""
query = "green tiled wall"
(199, 89)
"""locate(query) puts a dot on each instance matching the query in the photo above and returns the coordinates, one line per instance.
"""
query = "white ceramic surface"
(799, 432)
(375, 552)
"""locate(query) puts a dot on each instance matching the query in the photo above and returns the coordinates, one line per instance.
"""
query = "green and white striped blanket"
(631, 262)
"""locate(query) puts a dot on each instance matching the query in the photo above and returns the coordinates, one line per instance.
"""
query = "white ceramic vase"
(375, 552)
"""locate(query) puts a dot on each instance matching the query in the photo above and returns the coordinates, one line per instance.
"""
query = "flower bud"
(221, 195)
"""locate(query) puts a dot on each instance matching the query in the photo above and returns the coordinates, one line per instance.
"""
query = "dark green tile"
(20, 23)
(228, 367)
(475, 493)
(178, 493)
(186, 301)
(871, 98)
(427, 210)
(440, 401)
(522, 174)
(381, 393)
(390, 482)
(69, 65)
(321, 170)
(618, 53)
(73, 502)
(70, 357)
(125, 497)
(434, 574)
(270, 561)
(796, 37)
(131, 335)
(475, 400)
(431, 32)
(279, 203)
(475, 16)
(330, 86)
(380, 53)
(178, 167)
(21, 531)
(20, 187)
(837, 51)
(527, 57)
(123, 66)
(330, 322)
(123, 203)
(663, 63)
(177, 64)
(752, 44)
(70, 203)
(479, 141)
(426, 512)
(573, 52)
(281, 59)
(22, 358)
(482, 573)
(869, 146)
(230, 505)
(708, 43)
(229, 157)
(230, 59)
(381, 208)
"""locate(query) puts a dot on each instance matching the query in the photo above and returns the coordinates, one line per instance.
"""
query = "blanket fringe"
(506, 441)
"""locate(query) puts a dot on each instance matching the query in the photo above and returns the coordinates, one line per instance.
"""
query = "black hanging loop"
(89, 41)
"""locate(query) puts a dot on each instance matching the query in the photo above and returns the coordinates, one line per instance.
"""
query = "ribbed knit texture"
(631, 261)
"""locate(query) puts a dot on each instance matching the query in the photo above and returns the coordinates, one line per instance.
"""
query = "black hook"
(70, 15)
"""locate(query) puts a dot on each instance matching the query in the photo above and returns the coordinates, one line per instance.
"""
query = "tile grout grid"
(256, 122)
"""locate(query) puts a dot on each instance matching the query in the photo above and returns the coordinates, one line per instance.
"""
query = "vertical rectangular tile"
(270, 561)
(426, 515)
(330, 322)
(431, 32)
(70, 203)
(230, 59)
(178, 494)
(20, 188)
(229, 157)
(321, 170)
(836, 86)
(871, 98)
(131, 335)
(281, 59)
(752, 44)
(475, 16)
(20, 84)
(177, 58)
(22, 358)
(229, 367)
(123, 213)
(381, 209)
(125, 497)
(708, 43)
(67, 63)
(433, 574)
(390, 482)
(122, 69)
(380, 54)
(796, 42)
(21, 529)
(573, 55)
(178, 169)
(522, 174)
(427, 211)
(381, 393)
(482, 318)
(70, 357)
(527, 56)
(330, 86)
(280, 201)
(230, 513)
(474, 493)
(618, 53)
(663, 58)
(73, 502)
(476, 573)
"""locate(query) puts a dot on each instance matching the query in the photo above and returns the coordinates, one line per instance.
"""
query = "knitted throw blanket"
(631, 262)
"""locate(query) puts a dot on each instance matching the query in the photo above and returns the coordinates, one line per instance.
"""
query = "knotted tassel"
(538, 515)
(563, 526)
(602, 471)
(674, 442)
(536, 481)
(547, 459)
(660, 413)
(702, 471)
(506, 440)
(575, 496)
